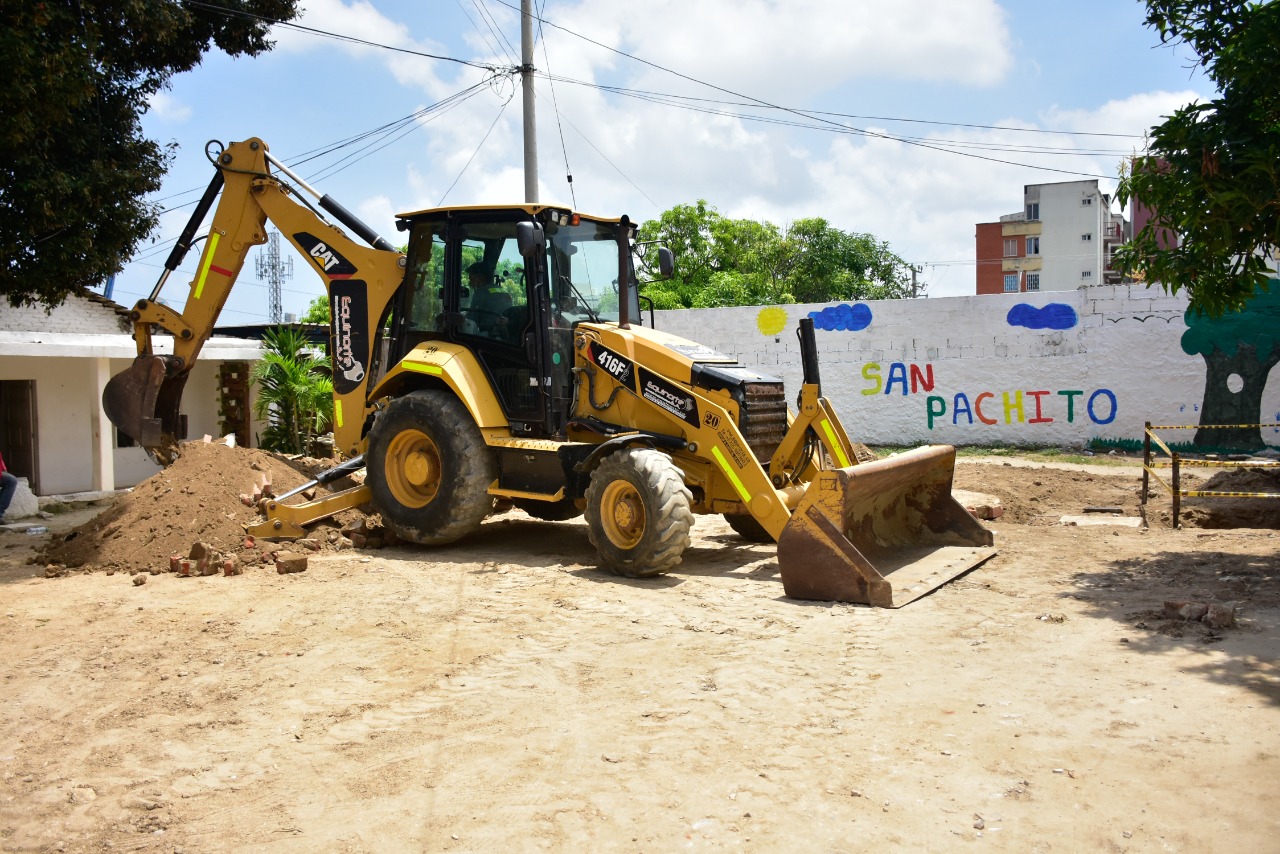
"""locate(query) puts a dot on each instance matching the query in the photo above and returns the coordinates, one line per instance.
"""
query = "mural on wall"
(1239, 351)
(1055, 315)
(843, 317)
(1026, 370)
(771, 321)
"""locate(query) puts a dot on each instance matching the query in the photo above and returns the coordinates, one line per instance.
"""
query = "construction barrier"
(1176, 462)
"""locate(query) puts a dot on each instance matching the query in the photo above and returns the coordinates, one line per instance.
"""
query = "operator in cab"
(487, 303)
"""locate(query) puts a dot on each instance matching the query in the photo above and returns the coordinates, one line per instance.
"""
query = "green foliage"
(295, 396)
(723, 262)
(317, 312)
(1211, 171)
(74, 164)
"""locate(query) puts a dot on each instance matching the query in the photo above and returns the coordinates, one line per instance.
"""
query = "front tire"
(429, 468)
(638, 512)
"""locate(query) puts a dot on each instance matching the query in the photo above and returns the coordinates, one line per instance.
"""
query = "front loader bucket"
(144, 402)
(881, 533)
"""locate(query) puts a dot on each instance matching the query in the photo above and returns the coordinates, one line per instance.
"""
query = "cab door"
(509, 341)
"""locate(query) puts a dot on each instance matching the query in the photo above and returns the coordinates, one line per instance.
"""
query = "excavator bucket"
(144, 402)
(881, 533)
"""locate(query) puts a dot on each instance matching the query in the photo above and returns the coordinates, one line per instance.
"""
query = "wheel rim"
(622, 514)
(413, 468)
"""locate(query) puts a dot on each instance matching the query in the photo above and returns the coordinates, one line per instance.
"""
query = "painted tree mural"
(1239, 351)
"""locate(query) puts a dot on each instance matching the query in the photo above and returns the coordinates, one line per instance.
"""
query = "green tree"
(1211, 172)
(295, 396)
(317, 311)
(722, 261)
(74, 164)
(1244, 344)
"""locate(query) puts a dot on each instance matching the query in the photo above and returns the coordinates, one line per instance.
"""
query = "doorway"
(18, 429)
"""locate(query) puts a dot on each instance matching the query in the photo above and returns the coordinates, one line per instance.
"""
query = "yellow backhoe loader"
(506, 356)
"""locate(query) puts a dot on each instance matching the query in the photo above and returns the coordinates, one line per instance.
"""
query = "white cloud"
(167, 108)
(359, 20)
(767, 47)
(1132, 115)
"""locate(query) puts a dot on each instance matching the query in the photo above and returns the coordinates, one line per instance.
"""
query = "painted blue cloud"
(1055, 315)
(843, 317)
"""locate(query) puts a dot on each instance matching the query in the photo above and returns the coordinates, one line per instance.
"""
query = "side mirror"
(666, 262)
(530, 238)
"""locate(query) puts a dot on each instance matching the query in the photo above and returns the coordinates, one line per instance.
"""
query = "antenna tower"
(274, 270)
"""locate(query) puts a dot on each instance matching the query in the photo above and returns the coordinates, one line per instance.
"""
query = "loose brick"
(1185, 610)
(1220, 616)
(231, 566)
(287, 562)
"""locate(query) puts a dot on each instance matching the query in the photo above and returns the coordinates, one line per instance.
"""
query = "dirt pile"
(1235, 511)
(196, 499)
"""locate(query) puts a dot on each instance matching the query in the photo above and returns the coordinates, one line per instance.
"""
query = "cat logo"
(324, 257)
(711, 420)
(328, 259)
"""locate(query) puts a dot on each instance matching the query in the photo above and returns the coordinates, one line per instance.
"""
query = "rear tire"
(748, 528)
(550, 511)
(429, 468)
(638, 512)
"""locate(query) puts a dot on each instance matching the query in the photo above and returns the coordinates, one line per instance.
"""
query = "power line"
(492, 23)
(838, 128)
(625, 91)
(479, 146)
(555, 106)
(223, 10)
(627, 178)
(801, 113)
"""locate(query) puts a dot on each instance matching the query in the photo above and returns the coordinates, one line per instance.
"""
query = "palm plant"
(294, 396)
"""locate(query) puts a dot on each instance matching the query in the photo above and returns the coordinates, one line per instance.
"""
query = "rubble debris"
(1213, 615)
(197, 499)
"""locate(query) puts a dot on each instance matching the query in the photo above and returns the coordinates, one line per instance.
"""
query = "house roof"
(88, 325)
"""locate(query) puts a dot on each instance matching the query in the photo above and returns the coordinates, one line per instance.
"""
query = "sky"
(911, 120)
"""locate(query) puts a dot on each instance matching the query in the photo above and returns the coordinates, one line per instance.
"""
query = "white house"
(53, 368)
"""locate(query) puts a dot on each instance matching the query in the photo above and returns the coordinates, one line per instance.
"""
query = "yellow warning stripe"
(208, 262)
(1206, 426)
(1218, 464)
(423, 369)
(337, 412)
(731, 474)
(835, 444)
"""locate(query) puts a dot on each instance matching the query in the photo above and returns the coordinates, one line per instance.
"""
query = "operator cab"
(468, 282)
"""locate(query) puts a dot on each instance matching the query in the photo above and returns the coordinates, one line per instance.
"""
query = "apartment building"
(1062, 239)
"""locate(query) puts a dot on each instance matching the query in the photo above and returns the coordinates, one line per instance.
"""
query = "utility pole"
(274, 270)
(914, 270)
(526, 83)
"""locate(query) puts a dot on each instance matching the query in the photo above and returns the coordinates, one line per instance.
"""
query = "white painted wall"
(67, 405)
(60, 351)
(1125, 345)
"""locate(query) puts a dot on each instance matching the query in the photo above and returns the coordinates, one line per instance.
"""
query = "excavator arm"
(144, 400)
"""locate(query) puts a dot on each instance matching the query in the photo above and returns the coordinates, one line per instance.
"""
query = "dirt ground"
(502, 694)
